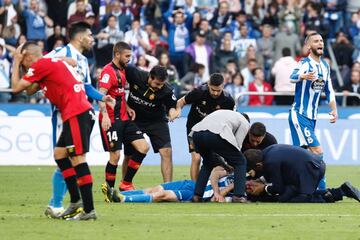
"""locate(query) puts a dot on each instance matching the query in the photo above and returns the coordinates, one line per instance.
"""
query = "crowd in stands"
(255, 44)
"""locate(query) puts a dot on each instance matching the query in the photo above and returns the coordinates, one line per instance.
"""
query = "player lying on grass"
(218, 188)
(291, 174)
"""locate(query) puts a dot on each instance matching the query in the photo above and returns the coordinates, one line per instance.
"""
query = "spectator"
(247, 71)
(354, 26)
(221, 18)
(291, 15)
(36, 21)
(57, 11)
(130, 8)
(146, 62)
(258, 11)
(110, 35)
(259, 85)
(55, 37)
(5, 63)
(265, 46)
(200, 52)
(251, 53)
(235, 88)
(178, 39)
(173, 76)
(92, 21)
(241, 19)
(79, 14)
(123, 20)
(282, 70)
(286, 38)
(343, 50)
(223, 55)
(194, 78)
(334, 14)
(195, 25)
(353, 87)
(137, 38)
(313, 20)
(243, 41)
(10, 30)
(147, 13)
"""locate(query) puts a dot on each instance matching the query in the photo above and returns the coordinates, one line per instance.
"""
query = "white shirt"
(202, 57)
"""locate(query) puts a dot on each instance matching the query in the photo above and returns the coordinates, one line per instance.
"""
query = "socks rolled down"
(140, 198)
(59, 189)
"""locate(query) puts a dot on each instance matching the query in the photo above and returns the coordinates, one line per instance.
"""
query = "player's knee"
(144, 147)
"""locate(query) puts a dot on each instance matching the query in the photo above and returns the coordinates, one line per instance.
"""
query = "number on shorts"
(112, 136)
(307, 132)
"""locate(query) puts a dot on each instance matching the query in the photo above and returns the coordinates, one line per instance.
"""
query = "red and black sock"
(110, 174)
(133, 166)
(69, 175)
(85, 182)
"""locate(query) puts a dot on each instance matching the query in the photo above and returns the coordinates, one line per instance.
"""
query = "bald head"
(32, 48)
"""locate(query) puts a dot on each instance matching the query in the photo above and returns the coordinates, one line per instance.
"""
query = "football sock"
(69, 174)
(110, 174)
(132, 192)
(133, 166)
(322, 183)
(144, 198)
(85, 182)
(59, 189)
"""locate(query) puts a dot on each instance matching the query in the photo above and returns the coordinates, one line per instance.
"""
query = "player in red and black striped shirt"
(64, 88)
(115, 125)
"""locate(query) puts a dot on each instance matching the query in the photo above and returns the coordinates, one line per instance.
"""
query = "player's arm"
(17, 83)
(170, 103)
(106, 122)
(33, 88)
(330, 97)
(301, 73)
(215, 175)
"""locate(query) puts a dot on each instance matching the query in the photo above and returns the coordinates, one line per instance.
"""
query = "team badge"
(203, 102)
(136, 87)
(71, 149)
(318, 85)
(105, 78)
(152, 97)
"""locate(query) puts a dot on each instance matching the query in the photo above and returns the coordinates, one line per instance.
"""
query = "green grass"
(24, 192)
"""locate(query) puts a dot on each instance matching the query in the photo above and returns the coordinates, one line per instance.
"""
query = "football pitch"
(24, 192)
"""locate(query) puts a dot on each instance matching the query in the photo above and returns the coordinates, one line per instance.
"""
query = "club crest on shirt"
(203, 103)
(152, 97)
(318, 84)
(105, 78)
(136, 87)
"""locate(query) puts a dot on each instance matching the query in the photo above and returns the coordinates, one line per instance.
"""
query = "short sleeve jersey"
(202, 104)
(61, 85)
(114, 80)
(149, 105)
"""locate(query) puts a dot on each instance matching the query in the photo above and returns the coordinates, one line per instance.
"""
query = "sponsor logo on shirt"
(140, 101)
(30, 72)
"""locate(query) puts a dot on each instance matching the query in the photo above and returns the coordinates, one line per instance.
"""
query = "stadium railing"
(337, 94)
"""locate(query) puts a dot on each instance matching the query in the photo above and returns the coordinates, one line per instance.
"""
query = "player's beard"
(122, 64)
(314, 51)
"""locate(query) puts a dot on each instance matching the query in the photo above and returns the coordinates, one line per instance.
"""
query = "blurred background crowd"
(255, 44)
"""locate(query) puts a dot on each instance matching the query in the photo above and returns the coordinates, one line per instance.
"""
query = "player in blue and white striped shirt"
(81, 39)
(312, 76)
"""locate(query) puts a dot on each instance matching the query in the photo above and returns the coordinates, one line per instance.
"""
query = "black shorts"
(120, 132)
(75, 136)
(158, 133)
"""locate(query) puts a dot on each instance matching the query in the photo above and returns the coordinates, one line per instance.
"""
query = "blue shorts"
(183, 189)
(302, 130)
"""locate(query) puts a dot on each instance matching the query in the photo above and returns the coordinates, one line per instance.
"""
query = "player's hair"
(159, 72)
(31, 47)
(253, 157)
(121, 46)
(286, 52)
(78, 27)
(246, 116)
(216, 79)
(310, 35)
(258, 129)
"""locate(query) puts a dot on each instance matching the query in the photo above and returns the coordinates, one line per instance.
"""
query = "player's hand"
(218, 198)
(131, 112)
(255, 188)
(18, 55)
(333, 116)
(109, 101)
(105, 123)
(309, 76)
(173, 114)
